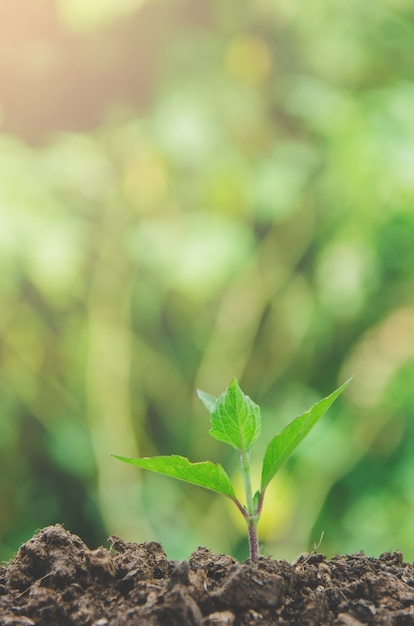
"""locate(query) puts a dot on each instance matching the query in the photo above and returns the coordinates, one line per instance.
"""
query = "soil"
(56, 580)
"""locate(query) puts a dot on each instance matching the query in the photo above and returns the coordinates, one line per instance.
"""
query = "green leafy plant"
(235, 420)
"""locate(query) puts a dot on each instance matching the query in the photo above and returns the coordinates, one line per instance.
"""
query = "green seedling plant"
(235, 419)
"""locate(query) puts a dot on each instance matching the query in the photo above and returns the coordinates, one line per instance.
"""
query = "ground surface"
(56, 580)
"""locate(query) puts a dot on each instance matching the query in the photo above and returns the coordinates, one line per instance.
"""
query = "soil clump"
(55, 580)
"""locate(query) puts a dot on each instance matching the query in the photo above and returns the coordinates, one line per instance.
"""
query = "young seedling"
(235, 420)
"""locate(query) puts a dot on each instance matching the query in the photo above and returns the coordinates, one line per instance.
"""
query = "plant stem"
(253, 540)
(252, 516)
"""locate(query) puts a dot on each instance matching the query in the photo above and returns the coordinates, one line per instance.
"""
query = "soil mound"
(56, 580)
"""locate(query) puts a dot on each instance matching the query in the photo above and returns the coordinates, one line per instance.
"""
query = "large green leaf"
(282, 446)
(205, 474)
(235, 418)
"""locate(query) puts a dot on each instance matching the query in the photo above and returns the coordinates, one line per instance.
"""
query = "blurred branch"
(109, 371)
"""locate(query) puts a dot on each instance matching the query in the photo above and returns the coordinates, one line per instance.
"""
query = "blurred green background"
(190, 191)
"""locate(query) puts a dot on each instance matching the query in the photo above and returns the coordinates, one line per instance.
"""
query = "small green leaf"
(235, 418)
(282, 446)
(207, 399)
(205, 474)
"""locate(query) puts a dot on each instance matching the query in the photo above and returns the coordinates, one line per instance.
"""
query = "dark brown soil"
(56, 580)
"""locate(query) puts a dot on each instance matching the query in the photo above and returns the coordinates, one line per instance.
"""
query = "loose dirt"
(55, 580)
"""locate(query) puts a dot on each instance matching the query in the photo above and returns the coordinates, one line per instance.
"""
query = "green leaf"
(205, 474)
(235, 418)
(207, 399)
(282, 446)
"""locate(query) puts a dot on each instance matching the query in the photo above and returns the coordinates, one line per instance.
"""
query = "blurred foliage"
(190, 192)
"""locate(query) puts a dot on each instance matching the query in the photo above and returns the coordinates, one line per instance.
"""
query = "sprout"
(235, 420)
